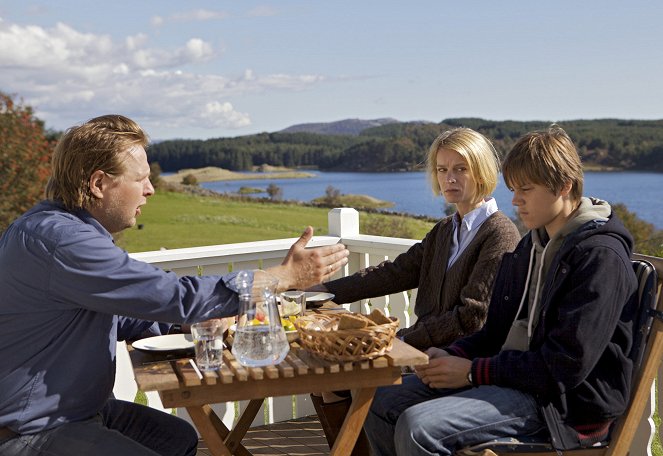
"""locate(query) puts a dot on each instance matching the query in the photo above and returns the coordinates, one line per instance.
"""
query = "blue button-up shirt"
(465, 229)
(68, 294)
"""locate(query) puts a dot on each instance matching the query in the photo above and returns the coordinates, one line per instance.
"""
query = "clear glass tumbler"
(208, 343)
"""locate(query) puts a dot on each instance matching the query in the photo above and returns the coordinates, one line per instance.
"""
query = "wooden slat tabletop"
(180, 382)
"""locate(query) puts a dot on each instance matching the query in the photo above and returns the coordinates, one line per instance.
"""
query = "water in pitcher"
(259, 346)
(259, 339)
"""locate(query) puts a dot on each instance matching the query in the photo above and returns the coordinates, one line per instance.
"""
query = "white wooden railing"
(364, 250)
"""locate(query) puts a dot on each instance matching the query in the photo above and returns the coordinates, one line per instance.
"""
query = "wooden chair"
(647, 355)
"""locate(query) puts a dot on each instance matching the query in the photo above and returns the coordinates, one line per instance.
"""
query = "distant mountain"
(341, 127)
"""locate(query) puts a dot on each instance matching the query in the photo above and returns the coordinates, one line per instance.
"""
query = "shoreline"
(215, 174)
(201, 191)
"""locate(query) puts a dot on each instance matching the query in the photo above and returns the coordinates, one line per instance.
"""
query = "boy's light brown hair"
(547, 158)
(99, 144)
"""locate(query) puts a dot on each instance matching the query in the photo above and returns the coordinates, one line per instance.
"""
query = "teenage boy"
(552, 358)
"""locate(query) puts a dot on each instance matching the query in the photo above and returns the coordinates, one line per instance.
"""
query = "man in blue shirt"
(69, 294)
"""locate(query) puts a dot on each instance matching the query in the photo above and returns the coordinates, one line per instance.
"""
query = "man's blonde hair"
(477, 150)
(547, 158)
(102, 144)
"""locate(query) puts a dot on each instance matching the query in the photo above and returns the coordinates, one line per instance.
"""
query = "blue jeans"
(413, 419)
(121, 428)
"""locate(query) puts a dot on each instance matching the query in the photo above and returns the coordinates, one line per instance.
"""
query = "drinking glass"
(259, 339)
(293, 302)
(208, 343)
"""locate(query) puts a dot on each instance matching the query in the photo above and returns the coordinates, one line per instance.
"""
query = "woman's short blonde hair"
(547, 158)
(99, 144)
(477, 150)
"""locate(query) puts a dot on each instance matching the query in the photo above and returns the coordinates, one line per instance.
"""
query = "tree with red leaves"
(25, 154)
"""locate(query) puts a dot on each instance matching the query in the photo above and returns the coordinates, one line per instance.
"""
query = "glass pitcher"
(259, 339)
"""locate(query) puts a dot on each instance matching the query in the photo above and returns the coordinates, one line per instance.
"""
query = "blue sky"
(203, 69)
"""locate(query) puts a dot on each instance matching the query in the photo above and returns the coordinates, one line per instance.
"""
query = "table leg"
(220, 440)
(354, 420)
(234, 439)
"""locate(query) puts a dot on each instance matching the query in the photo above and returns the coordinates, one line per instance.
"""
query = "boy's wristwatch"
(469, 377)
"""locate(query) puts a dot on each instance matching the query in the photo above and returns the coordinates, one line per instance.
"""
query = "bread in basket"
(320, 334)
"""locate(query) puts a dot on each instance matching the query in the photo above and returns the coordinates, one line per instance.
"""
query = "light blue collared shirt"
(466, 229)
(69, 294)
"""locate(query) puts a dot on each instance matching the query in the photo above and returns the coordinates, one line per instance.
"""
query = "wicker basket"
(319, 334)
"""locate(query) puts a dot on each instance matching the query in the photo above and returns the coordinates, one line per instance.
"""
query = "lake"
(410, 191)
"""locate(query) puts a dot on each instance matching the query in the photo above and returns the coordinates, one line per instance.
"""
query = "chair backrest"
(647, 355)
(647, 283)
(649, 360)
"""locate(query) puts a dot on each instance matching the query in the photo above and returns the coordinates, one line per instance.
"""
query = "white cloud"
(217, 114)
(133, 42)
(195, 50)
(68, 76)
(190, 16)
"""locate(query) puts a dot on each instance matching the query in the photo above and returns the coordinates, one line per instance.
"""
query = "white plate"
(168, 342)
(317, 297)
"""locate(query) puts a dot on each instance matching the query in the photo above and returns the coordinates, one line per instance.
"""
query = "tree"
(274, 191)
(189, 179)
(155, 174)
(24, 159)
(648, 240)
(332, 195)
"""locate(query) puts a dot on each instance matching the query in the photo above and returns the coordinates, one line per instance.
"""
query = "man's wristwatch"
(469, 377)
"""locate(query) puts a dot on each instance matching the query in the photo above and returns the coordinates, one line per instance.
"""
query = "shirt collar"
(477, 216)
(82, 214)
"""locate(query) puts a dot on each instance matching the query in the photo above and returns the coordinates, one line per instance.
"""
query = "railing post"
(343, 222)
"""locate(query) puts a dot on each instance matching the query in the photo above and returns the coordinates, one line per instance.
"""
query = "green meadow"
(176, 220)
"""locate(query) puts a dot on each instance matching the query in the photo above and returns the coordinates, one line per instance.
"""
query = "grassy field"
(175, 220)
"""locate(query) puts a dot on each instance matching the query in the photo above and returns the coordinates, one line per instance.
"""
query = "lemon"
(287, 324)
(289, 327)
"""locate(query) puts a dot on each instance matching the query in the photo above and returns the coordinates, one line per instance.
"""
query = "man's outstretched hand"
(303, 268)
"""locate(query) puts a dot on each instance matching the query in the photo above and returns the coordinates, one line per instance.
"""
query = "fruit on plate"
(288, 324)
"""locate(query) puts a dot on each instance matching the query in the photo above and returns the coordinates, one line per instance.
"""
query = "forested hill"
(605, 143)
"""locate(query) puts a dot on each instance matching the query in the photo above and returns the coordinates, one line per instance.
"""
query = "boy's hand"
(445, 372)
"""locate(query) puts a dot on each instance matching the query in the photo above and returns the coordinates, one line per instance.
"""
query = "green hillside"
(602, 144)
(175, 220)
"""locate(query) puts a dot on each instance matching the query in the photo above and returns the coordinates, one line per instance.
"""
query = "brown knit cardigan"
(450, 303)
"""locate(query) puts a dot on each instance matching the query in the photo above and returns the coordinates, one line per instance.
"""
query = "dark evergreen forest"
(402, 146)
